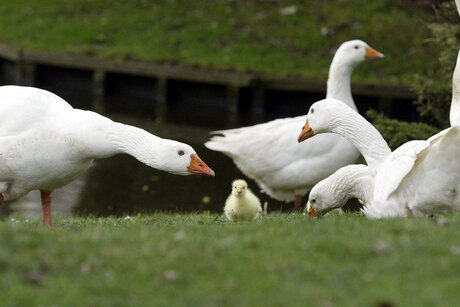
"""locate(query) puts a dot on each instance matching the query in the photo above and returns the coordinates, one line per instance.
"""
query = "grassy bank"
(200, 259)
(276, 37)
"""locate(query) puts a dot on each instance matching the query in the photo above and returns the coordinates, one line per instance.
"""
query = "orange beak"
(306, 133)
(197, 166)
(372, 54)
(312, 212)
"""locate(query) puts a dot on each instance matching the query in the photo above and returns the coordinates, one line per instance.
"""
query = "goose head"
(323, 116)
(181, 159)
(351, 181)
(323, 198)
(354, 52)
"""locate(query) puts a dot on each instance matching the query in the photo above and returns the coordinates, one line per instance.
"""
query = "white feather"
(419, 177)
(45, 143)
(269, 152)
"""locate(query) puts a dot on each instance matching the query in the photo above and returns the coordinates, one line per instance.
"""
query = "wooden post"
(98, 104)
(161, 97)
(258, 102)
(232, 96)
(386, 105)
(16, 73)
(28, 74)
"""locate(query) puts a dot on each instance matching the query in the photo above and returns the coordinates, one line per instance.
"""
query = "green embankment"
(275, 37)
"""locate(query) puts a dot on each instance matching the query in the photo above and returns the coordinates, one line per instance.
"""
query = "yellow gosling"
(242, 204)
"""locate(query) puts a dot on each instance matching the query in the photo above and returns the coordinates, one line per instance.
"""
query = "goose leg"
(297, 203)
(46, 204)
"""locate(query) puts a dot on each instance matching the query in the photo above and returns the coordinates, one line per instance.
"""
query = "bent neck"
(457, 2)
(100, 137)
(353, 181)
(454, 115)
(362, 186)
(364, 136)
(104, 138)
(136, 142)
(339, 82)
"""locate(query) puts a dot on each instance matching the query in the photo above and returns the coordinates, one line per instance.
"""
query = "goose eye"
(180, 152)
(356, 47)
(312, 110)
(313, 200)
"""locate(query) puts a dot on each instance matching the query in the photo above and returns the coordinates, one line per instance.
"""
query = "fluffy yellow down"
(242, 204)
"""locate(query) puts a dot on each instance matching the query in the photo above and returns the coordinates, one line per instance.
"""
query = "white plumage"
(242, 204)
(269, 154)
(419, 177)
(45, 144)
(351, 181)
(457, 2)
(454, 115)
(355, 181)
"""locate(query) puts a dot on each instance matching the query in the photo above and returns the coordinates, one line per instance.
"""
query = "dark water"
(121, 185)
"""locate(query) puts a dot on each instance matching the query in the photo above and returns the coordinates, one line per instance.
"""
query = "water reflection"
(64, 201)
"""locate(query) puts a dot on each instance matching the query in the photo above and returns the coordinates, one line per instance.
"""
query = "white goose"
(351, 181)
(419, 177)
(268, 152)
(329, 193)
(45, 144)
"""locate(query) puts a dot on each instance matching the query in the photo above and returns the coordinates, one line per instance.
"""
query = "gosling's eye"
(312, 110)
(356, 47)
(180, 152)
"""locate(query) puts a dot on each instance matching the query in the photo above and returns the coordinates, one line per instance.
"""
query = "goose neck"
(364, 136)
(363, 188)
(454, 116)
(354, 181)
(339, 82)
(135, 142)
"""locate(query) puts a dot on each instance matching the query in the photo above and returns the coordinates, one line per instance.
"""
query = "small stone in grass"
(442, 221)
(380, 247)
(455, 249)
(33, 277)
(171, 275)
(180, 235)
(289, 10)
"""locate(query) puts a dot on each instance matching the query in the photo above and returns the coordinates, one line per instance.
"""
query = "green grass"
(202, 260)
(237, 35)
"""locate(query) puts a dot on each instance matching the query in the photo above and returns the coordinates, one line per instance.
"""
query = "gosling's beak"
(372, 54)
(312, 212)
(306, 133)
(197, 166)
